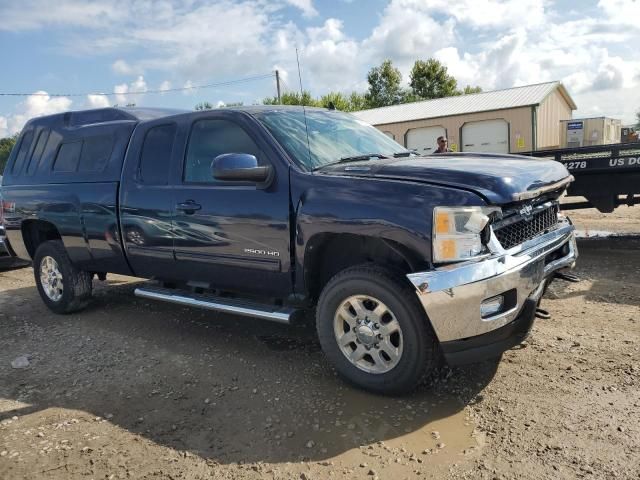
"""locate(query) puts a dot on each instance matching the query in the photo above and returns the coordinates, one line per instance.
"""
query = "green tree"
(6, 144)
(384, 85)
(430, 80)
(339, 101)
(203, 106)
(358, 101)
(469, 89)
(293, 98)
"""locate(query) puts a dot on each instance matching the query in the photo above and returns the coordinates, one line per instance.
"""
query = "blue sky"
(78, 47)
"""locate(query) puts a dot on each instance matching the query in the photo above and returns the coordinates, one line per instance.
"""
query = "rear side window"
(156, 155)
(210, 138)
(96, 152)
(25, 146)
(37, 151)
(68, 157)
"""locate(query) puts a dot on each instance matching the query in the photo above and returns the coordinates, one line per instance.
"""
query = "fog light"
(491, 306)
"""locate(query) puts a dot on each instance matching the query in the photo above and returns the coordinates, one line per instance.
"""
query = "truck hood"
(499, 178)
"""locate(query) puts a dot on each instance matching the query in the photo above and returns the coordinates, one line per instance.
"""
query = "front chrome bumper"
(452, 295)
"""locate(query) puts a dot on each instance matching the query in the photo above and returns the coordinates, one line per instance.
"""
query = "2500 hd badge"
(267, 253)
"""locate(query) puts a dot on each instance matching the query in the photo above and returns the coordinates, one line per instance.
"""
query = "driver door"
(230, 235)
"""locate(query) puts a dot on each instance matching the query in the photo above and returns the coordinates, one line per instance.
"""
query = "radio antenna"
(304, 110)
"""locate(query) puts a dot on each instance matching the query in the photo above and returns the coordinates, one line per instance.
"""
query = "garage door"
(486, 136)
(423, 140)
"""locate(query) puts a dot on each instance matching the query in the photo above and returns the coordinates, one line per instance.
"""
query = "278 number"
(576, 165)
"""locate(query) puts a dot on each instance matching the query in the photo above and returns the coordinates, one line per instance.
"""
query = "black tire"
(77, 284)
(420, 353)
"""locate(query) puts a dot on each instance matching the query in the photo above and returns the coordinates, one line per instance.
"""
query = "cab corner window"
(95, 154)
(156, 155)
(210, 138)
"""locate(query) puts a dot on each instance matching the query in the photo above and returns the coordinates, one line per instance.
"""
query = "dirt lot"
(135, 389)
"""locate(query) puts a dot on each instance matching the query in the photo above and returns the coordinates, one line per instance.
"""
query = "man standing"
(442, 146)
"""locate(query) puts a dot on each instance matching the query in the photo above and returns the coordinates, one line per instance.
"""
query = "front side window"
(325, 137)
(210, 138)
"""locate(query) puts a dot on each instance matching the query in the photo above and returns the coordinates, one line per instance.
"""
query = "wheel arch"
(326, 254)
(36, 232)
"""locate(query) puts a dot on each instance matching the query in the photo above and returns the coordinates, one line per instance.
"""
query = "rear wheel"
(63, 288)
(373, 329)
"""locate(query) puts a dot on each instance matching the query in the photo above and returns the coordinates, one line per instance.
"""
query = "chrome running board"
(219, 304)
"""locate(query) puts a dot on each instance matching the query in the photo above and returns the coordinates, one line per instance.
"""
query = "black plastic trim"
(492, 344)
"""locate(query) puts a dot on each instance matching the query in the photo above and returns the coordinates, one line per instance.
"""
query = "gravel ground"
(136, 389)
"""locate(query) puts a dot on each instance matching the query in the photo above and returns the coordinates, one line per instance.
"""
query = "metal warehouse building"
(514, 120)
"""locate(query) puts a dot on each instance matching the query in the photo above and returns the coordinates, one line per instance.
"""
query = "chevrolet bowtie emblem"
(526, 210)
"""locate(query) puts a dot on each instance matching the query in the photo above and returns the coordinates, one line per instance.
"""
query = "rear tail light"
(8, 207)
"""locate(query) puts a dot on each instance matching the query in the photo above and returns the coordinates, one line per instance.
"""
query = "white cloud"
(330, 60)
(622, 12)
(407, 32)
(188, 86)
(305, 5)
(165, 85)
(494, 44)
(97, 101)
(36, 105)
(484, 14)
(121, 67)
(124, 93)
(4, 127)
(33, 14)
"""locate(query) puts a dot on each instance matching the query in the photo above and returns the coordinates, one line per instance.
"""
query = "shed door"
(423, 140)
(490, 136)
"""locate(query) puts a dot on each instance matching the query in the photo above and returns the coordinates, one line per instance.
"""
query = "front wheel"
(63, 288)
(374, 331)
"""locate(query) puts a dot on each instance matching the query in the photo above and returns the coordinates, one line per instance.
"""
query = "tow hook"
(542, 313)
(569, 277)
(566, 276)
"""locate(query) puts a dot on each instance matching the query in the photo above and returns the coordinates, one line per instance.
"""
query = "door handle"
(189, 207)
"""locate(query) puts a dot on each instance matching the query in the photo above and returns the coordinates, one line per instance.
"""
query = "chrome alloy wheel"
(368, 334)
(51, 278)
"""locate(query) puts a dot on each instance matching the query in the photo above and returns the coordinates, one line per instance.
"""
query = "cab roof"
(139, 114)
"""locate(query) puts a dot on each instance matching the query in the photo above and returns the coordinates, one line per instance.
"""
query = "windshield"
(332, 136)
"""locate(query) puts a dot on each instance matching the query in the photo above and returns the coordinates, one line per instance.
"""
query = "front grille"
(527, 228)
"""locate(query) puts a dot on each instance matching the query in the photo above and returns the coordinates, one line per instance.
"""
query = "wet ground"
(136, 389)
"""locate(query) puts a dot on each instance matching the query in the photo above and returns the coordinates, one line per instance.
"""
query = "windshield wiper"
(354, 158)
(362, 158)
(403, 154)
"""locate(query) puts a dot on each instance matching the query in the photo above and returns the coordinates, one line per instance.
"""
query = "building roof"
(524, 96)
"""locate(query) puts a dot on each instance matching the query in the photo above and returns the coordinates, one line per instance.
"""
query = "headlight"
(457, 232)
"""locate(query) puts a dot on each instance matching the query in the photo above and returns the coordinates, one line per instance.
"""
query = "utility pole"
(278, 86)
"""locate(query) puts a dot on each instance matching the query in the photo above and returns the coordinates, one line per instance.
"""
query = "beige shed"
(514, 120)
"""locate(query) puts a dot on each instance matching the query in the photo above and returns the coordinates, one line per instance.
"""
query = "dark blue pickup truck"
(272, 211)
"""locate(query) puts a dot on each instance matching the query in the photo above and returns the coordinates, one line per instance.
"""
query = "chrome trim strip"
(282, 315)
(539, 191)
